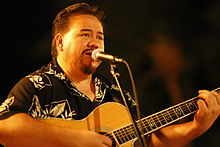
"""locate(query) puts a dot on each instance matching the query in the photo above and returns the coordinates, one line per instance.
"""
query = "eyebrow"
(89, 30)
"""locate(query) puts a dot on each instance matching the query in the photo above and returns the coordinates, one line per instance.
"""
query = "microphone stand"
(116, 76)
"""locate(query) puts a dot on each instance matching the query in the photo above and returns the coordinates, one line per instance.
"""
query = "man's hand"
(209, 110)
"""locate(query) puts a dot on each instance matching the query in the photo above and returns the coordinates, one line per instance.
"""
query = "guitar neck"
(159, 120)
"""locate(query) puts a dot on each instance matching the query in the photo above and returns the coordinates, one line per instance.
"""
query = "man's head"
(77, 30)
(62, 21)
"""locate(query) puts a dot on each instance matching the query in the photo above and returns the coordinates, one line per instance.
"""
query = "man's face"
(85, 34)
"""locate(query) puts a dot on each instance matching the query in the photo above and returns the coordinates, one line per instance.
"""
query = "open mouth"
(88, 52)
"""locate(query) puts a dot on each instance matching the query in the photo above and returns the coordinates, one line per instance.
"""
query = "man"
(68, 89)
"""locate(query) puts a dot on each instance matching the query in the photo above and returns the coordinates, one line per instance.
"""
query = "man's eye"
(85, 35)
(100, 38)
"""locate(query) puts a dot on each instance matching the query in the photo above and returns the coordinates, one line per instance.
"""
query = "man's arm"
(22, 130)
(182, 134)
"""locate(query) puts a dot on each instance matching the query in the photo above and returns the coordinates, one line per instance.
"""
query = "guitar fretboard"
(158, 120)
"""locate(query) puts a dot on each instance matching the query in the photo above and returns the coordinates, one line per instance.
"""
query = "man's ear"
(59, 42)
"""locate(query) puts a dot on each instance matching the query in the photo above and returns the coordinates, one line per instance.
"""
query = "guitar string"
(126, 132)
(129, 131)
(168, 117)
(162, 120)
(129, 134)
(119, 135)
(170, 114)
(123, 134)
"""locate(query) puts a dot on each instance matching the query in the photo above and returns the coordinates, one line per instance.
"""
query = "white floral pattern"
(38, 81)
(6, 104)
(57, 109)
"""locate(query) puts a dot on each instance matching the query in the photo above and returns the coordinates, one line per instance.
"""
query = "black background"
(132, 28)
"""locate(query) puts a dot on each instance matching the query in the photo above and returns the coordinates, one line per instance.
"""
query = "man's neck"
(83, 82)
(74, 75)
(79, 78)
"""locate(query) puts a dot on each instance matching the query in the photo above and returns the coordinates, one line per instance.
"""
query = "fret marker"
(192, 106)
(178, 112)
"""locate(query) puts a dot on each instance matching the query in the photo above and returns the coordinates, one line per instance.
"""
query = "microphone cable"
(135, 99)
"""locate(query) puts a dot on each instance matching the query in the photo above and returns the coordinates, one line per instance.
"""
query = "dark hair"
(62, 20)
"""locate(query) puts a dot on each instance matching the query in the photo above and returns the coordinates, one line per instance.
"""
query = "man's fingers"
(205, 99)
(202, 106)
(217, 96)
(211, 98)
(202, 91)
(212, 101)
(107, 141)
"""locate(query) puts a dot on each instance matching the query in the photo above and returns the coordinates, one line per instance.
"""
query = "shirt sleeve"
(19, 99)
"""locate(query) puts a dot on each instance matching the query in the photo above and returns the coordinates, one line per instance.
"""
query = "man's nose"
(93, 44)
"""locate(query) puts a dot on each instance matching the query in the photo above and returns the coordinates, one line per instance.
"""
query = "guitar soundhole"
(110, 136)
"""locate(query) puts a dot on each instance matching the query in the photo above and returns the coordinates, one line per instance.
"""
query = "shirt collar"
(100, 87)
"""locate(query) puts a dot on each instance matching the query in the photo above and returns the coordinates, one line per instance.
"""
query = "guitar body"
(104, 119)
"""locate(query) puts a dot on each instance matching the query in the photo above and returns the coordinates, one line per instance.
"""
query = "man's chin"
(89, 66)
(88, 70)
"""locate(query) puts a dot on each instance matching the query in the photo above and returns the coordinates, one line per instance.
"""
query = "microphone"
(99, 54)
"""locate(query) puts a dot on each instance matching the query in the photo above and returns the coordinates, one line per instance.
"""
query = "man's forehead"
(86, 23)
(90, 30)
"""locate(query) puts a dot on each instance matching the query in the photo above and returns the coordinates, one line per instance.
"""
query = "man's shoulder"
(30, 82)
(42, 77)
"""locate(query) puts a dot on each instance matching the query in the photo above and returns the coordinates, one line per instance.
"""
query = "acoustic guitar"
(111, 119)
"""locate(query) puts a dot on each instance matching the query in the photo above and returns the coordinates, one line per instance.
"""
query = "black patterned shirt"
(49, 93)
